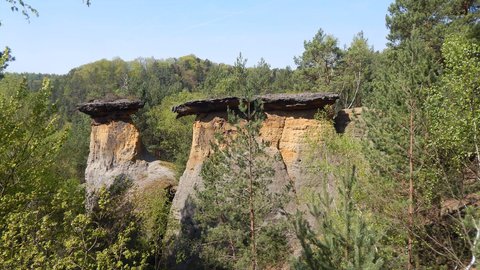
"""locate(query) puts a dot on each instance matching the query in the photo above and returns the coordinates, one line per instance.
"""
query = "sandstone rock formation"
(116, 148)
(289, 123)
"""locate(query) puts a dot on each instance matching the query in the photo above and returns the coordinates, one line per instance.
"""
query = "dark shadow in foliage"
(184, 252)
(341, 121)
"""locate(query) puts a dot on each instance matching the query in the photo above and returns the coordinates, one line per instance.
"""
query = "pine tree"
(397, 129)
(318, 64)
(431, 20)
(342, 239)
(355, 72)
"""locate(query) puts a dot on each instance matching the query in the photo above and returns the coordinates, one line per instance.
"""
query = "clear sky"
(68, 34)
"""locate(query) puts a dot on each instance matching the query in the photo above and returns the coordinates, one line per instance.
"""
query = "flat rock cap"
(271, 102)
(99, 108)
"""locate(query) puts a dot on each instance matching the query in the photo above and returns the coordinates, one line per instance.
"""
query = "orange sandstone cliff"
(290, 121)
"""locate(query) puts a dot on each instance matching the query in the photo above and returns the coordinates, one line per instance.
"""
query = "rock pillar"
(116, 149)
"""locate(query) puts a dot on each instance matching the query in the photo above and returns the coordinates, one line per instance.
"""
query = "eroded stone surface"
(98, 108)
(286, 133)
(290, 118)
(116, 149)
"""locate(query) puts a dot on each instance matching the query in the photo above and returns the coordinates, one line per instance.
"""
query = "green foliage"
(453, 110)
(5, 57)
(71, 160)
(30, 138)
(43, 224)
(344, 206)
(170, 138)
(31, 198)
(260, 77)
(342, 239)
(110, 236)
(153, 208)
(396, 124)
(400, 89)
(356, 71)
(431, 20)
(324, 67)
(454, 104)
(319, 62)
(426, 72)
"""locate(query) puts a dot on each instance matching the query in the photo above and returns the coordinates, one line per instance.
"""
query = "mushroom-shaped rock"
(116, 149)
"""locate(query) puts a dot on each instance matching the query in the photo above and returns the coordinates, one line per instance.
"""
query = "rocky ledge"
(272, 102)
(100, 108)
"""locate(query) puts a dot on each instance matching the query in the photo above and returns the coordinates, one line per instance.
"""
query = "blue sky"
(68, 34)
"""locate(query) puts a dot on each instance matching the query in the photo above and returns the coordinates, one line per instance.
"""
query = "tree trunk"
(250, 191)
(410, 191)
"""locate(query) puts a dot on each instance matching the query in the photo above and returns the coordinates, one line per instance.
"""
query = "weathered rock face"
(290, 120)
(116, 149)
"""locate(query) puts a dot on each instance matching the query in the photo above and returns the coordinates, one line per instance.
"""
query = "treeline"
(409, 187)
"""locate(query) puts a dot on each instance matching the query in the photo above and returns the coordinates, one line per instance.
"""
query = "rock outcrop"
(289, 122)
(116, 149)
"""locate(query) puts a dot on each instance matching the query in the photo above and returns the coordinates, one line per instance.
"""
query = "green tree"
(318, 64)
(397, 130)
(453, 110)
(356, 72)
(235, 208)
(43, 223)
(342, 238)
(344, 226)
(5, 57)
(283, 81)
(454, 103)
(430, 20)
(219, 81)
(260, 77)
